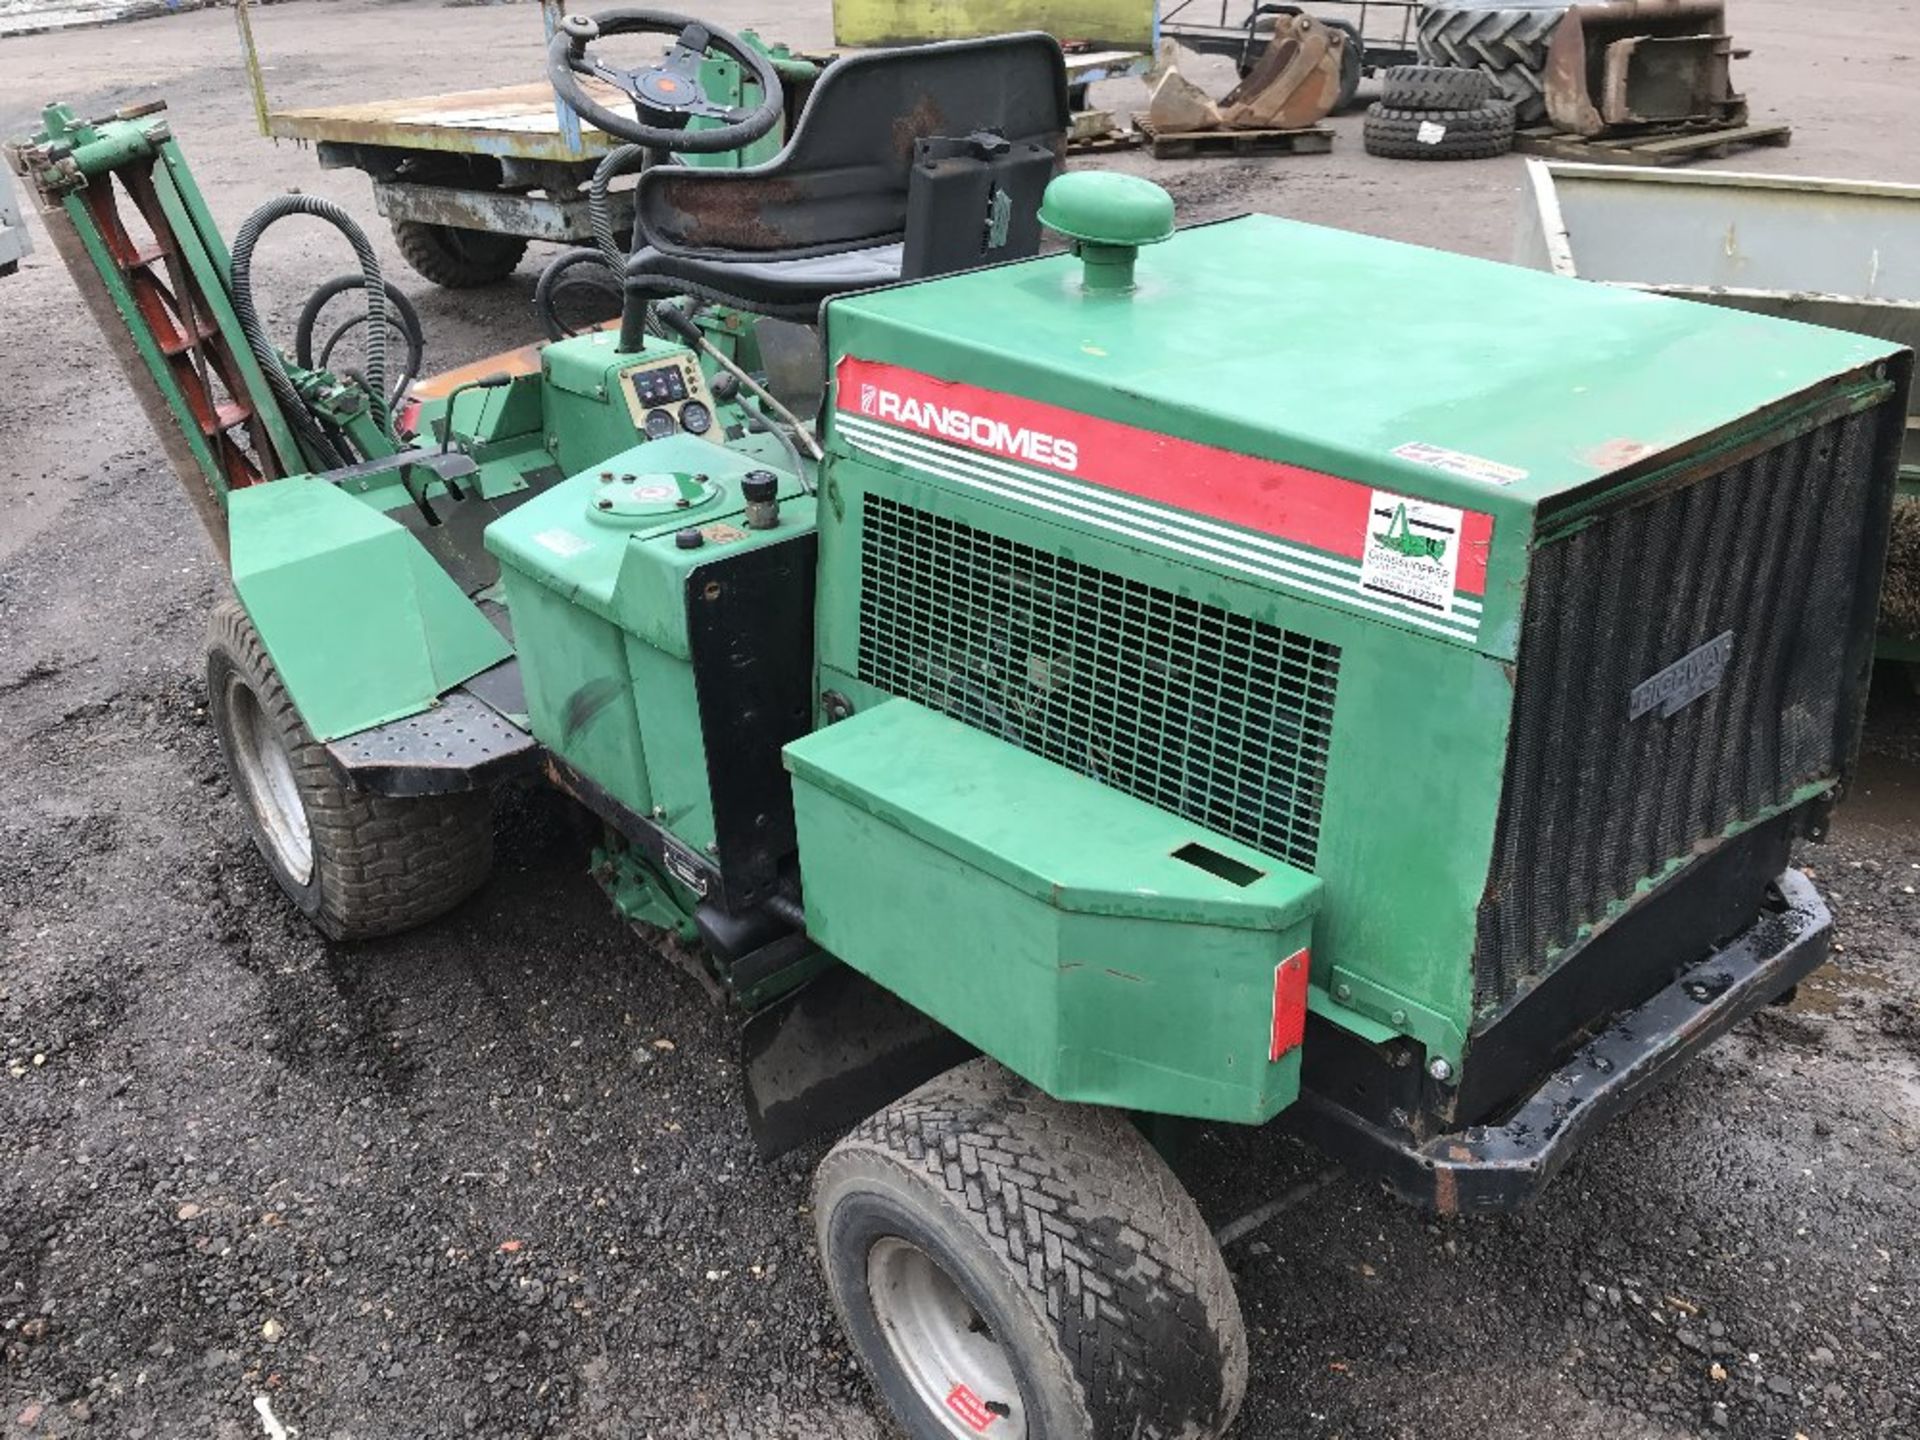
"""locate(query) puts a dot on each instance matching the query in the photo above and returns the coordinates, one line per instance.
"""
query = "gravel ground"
(492, 1178)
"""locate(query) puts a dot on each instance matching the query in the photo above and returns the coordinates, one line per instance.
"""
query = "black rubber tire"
(1352, 62)
(1069, 1238)
(1463, 134)
(1506, 39)
(380, 864)
(583, 271)
(457, 259)
(1433, 87)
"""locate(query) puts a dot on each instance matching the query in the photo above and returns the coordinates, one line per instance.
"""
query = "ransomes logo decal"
(952, 422)
(1406, 558)
(1683, 682)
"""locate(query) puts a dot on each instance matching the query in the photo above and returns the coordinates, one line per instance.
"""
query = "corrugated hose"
(304, 422)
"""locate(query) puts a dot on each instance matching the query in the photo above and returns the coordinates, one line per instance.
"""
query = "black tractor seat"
(904, 163)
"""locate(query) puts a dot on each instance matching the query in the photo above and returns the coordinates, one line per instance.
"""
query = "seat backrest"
(842, 179)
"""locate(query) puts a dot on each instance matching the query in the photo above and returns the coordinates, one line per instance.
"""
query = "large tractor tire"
(1005, 1264)
(1505, 39)
(356, 865)
(457, 259)
(1438, 134)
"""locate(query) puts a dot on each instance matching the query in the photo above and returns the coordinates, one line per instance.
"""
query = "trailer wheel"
(1438, 134)
(356, 865)
(1353, 62)
(457, 259)
(1010, 1266)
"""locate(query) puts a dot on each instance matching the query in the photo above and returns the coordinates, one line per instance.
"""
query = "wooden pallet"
(1187, 144)
(1677, 146)
(1093, 132)
(1105, 142)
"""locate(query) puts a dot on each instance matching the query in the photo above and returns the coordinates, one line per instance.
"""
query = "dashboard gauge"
(660, 424)
(695, 418)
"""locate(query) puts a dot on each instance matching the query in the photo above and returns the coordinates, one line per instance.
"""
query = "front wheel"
(356, 865)
(1009, 1266)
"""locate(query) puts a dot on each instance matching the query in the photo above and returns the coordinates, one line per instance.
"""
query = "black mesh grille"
(1595, 803)
(1202, 712)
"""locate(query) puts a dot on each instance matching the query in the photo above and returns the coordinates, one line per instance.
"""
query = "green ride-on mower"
(1130, 705)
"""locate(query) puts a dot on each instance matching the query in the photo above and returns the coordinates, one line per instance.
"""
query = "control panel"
(669, 396)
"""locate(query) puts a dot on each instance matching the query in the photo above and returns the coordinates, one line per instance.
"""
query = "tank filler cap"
(626, 498)
(1108, 216)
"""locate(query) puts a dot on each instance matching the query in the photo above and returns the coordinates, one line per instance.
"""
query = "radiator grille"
(1595, 803)
(1201, 712)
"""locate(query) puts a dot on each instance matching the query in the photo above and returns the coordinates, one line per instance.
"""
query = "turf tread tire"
(1434, 87)
(381, 864)
(1087, 1224)
(1469, 134)
(456, 259)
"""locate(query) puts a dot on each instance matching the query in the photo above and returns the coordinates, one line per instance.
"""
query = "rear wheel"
(458, 259)
(1010, 1266)
(356, 865)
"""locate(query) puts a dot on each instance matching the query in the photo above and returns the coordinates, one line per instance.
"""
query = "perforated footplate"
(462, 743)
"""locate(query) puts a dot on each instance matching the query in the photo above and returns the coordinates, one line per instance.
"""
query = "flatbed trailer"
(512, 161)
(430, 156)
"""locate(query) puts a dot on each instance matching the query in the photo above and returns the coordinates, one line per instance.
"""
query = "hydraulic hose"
(304, 422)
(617, 162)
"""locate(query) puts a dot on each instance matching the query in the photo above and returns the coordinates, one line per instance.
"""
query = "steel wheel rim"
(266, 777)
(944, 1348)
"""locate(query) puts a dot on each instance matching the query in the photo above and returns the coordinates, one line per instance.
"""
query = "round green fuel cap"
(1101, 207)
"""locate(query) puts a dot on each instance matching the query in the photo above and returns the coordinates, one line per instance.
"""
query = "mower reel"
(669, 94)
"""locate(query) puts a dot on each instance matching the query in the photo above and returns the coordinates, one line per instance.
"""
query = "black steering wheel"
(668, 94)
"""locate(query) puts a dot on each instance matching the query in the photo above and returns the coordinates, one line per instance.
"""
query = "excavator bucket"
(1294, 84)
(1635, 63)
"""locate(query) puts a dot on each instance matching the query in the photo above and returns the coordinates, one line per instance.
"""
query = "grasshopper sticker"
(1412, 551)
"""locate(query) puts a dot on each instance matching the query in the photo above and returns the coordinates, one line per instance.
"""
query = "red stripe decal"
(970, 1408)
(1269, 497)
(1289, 1003)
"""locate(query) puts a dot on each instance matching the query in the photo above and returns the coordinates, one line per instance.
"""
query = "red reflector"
(408, 422)
(1289, 1003)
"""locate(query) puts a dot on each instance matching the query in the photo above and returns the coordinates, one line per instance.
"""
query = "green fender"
(361, 622)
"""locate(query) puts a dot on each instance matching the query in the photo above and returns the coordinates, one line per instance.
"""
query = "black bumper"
(1499, 1167)
(465, 742)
